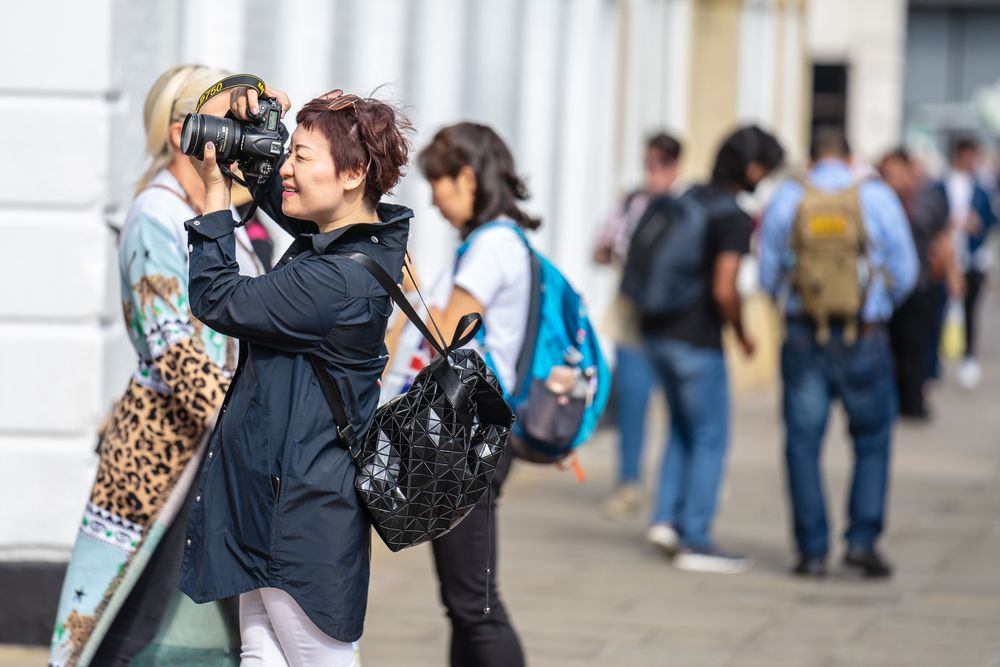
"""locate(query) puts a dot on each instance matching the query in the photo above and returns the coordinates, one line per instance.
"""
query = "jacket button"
(196, 223)
(189, 542)
(197, 499)
(210, 454)
(374, 239)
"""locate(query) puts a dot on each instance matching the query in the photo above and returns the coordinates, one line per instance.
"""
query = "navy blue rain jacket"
(275, 504)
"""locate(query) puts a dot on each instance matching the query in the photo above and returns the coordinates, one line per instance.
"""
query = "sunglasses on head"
(338, 101)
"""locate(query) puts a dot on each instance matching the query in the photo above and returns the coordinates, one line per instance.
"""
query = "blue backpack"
(562, 381)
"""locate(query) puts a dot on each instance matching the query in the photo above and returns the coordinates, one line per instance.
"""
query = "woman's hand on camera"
(243, 102)
(217, 185)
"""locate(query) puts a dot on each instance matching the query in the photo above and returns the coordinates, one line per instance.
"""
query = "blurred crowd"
(878, 272)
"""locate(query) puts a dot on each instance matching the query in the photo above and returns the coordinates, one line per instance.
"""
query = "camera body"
(257, 144)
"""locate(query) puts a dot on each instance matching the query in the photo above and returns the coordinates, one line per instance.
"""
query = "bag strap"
(455, 392)
(332, 394)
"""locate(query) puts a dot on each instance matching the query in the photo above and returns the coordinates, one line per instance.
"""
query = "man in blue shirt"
(858, 372)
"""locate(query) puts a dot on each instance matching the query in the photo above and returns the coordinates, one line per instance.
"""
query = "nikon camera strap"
(230, 82)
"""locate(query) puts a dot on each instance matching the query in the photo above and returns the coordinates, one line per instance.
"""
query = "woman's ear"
(466, 180)
(353, 179)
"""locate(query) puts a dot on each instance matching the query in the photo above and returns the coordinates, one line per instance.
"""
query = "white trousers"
(275, 632)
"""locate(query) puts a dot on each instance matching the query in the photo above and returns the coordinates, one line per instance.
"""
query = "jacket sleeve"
(894, 248)
(155, 263)
(776, 229)
(291, 309)
(984, 208)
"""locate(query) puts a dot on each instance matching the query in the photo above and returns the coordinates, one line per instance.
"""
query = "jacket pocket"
(248, 481)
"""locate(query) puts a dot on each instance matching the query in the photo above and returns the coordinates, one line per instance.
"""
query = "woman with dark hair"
(276, 519)
(685, 350)
(477, 189)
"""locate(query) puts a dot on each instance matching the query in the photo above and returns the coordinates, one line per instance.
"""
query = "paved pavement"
(586, 591)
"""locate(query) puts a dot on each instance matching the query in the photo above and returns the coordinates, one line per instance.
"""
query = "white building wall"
(873, 49)
(540, 71)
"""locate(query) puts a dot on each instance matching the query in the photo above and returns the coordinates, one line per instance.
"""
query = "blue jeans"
(633, 382)
(697, 388)
(861, 376)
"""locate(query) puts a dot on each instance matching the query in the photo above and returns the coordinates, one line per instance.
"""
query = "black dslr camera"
(256, 144)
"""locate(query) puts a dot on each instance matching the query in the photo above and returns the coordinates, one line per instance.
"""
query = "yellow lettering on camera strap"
(230, 82)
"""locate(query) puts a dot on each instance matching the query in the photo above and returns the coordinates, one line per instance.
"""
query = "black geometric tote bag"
(430, 453)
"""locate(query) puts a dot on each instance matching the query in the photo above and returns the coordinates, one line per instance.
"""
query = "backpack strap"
(456, 393)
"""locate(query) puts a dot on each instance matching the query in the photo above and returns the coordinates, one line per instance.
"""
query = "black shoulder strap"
(470, 324)
(526, 357)
(336, 402)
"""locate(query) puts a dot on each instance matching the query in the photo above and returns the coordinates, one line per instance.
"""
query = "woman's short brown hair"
(365, 134)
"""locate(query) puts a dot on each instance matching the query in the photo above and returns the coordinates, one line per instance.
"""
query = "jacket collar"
(392, 229)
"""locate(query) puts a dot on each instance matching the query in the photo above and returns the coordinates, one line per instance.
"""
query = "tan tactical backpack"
(830, 244)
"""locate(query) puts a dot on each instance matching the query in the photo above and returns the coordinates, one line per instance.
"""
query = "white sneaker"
(969, 374)
(664, 536)
(712, 561)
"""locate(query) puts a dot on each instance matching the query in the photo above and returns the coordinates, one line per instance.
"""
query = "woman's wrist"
(217, 201)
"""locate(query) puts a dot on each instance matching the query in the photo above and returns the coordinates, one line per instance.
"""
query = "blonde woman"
(120, 588)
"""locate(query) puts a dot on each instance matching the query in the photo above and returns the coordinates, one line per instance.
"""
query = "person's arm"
(895, 240)
(291, 309)
(727, 296)
(155, 265)
(460, 303)
(611, 230)
(984, 209)
(776, 228)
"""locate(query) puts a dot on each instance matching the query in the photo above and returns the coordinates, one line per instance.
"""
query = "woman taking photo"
(276, 518)
(476, 187)
(123, 570)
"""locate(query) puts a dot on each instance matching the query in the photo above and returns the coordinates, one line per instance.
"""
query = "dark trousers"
(912, 332)
(461, 558)
(862, 377)
(974, 282)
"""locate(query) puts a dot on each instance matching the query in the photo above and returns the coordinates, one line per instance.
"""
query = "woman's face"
(455, 196)
(312, 188)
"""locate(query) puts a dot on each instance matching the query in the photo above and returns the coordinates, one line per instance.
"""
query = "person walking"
(685, 349)
(972, 220)
(911, 329)
(633, 376)
(836, 343)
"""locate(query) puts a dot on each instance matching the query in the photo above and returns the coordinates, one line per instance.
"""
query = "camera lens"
(190, 135)
(199, 129)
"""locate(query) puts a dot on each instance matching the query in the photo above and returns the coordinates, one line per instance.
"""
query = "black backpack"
(429, 454)
(664, 270)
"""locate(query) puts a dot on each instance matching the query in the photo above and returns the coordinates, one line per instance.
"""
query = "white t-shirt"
(496, 271)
